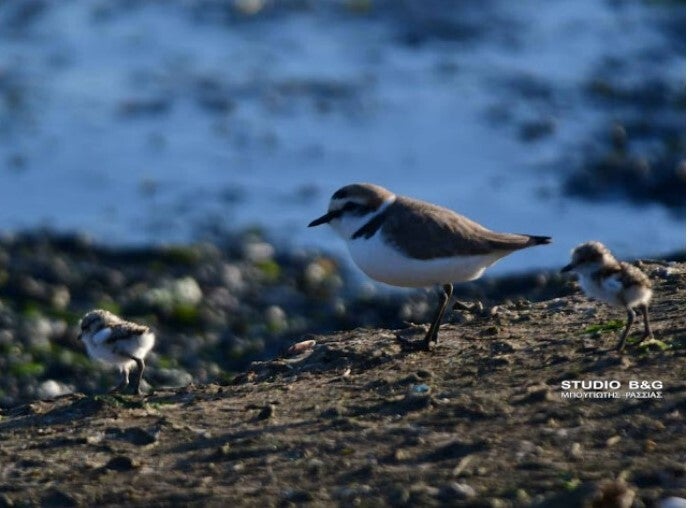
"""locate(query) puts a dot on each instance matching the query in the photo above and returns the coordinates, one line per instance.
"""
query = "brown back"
(429, 231)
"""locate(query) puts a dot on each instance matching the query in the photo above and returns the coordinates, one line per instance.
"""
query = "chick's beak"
(567, 268)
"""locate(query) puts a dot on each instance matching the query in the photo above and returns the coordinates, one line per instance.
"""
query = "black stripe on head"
(357, 208)
(88, 321)
(340, 194)
(371, 227)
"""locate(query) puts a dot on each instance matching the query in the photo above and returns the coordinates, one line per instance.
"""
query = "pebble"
(257, 251)
(50, 389)
(122, 463)
(187, 291)
(576, 451)
(351, 492)
(300, 347)
(613, 440)
(233, 278)
(266, 412)
(456, 490)
(171, 378)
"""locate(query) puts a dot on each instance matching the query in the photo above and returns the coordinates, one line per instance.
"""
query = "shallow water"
(162, 123)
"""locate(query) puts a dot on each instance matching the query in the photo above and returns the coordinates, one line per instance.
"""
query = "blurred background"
(164, 121)
(141, 124)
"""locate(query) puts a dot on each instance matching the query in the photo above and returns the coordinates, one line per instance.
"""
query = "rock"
(58, 498)
(122, 463)
(297, 496)
(612, 441)
(170, 378)
(276, 319)
(351, 492)
(49, 389)
(187, 291)
(576, 451)
(398, 495)
(266, 412)
(134, 435)
(257, 251)
(456, 490)
(423, 490)
(455, 450)
(300, 347)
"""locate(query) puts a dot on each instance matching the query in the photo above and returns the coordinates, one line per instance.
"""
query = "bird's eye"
(351, 206)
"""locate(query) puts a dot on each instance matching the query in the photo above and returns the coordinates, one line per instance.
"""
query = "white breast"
(383, 263)
(607, 290)
(118, 352)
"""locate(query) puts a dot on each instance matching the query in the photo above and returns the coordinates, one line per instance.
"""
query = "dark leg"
(137, 382)
(646, 319)
(124, 382)
(445, 295)
(622, 340)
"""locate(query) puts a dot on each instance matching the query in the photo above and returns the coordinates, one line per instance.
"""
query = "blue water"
(148, 125)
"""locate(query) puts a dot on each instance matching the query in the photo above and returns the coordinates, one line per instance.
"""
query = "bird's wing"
(125, 331)
(609, 278)
(612, 283)
(632, 275)
(102, 335)
(427, 231)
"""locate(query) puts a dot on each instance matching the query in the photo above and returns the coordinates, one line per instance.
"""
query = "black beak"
(567, 268)
(78, 337)
(324, 219)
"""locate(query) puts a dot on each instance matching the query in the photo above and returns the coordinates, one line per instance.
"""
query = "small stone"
(419, 389)
(50, 389)
(401, 455)
(399, 495)
(233, 278)
(489, 331)
(333, 412)
(297, 496)
(276, 318)
(424, 490)
(576, 451)
(58, 498)
(170, 378)
(187, 291)
(613, 440)
(266, 413)
(649, 445)
(257, 252)
(462, 465)
(122, 463)
(456, 490)
(301, 347)
(522, 497)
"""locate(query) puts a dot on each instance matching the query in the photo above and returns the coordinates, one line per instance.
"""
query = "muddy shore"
(359, 418)
(215, 307)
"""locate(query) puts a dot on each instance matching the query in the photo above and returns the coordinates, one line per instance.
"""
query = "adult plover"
(410, 243)
(113, 340)
(602, 277)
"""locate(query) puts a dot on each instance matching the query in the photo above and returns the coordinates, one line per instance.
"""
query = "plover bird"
(410, 243)
(113, 340)
(619, 284)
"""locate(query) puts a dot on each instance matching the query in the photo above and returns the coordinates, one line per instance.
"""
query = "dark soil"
(364, 418)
